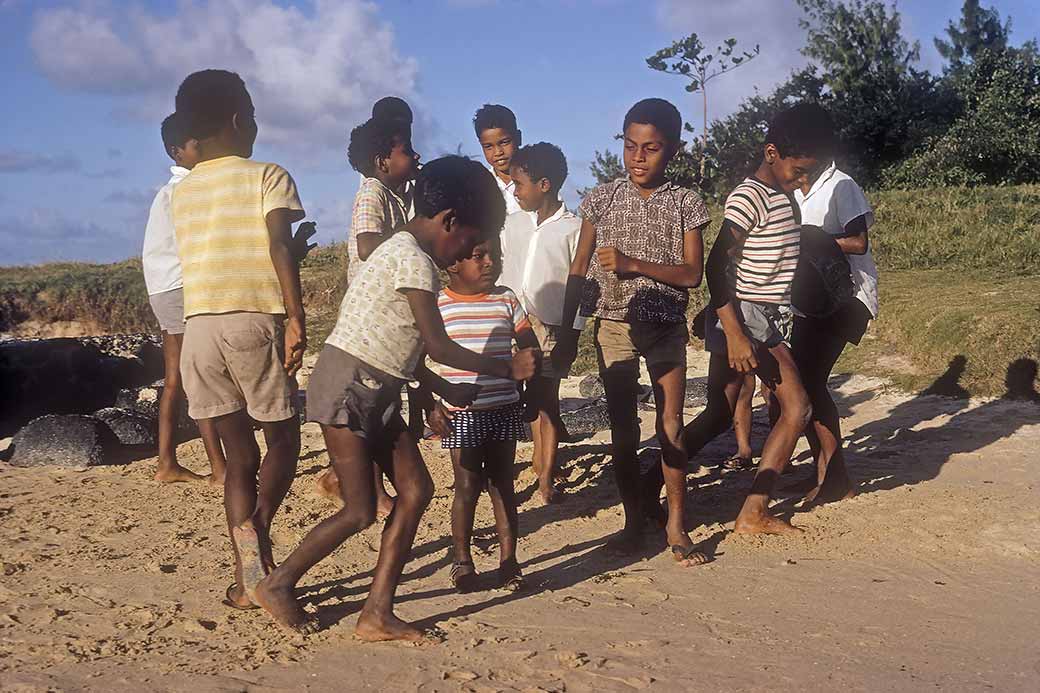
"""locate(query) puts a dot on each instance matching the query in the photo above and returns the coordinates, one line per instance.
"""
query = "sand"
(926, 579)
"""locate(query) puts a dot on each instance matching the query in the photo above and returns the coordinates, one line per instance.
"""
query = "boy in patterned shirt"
(244, 336)
(639, 252)
(389, 315)
(750, 271)
(482, 436)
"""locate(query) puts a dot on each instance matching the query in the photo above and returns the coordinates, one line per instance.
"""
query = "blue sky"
(86, 83)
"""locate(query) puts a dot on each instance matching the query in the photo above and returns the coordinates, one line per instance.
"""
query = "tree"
(605, 167)
(687, 58)
(979, 29)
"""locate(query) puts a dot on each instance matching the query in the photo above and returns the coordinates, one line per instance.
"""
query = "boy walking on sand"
(486, 319)
(245, 334)
(538, 246)
(388, 316)
(641, 250)
(499, 139)
(165, 283)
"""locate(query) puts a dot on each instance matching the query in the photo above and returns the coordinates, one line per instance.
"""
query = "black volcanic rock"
(70, 440)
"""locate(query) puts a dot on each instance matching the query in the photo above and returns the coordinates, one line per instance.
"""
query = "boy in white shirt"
(499, 139)
(538, 245)
(164, 282)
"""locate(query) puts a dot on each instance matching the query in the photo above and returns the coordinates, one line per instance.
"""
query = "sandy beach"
(927, 579)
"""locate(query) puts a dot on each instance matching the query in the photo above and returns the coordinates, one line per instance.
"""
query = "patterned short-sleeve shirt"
(652, 230)
(375, 321)
(377, 209)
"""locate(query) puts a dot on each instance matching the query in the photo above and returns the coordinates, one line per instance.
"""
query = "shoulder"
(503, 294)
(518, 220)
(748, 190)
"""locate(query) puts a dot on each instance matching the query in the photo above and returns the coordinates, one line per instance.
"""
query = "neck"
(216, 148)
(463, 289)
(421, 229)
(505, 177)
(647, 190)
(389, 182)
(765, 174)
(549, 207)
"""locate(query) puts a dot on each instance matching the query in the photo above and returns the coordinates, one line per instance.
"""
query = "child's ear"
(770, 153)
(381, 164)
(519, 139)
(544, 185)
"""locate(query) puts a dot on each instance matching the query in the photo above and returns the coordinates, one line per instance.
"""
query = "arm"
(458, 394)
(684, 276)
(855, 241)
(367, 243)
(566, 349)
(443, 350)
(286, 266)
(367, 223)
(741, 352)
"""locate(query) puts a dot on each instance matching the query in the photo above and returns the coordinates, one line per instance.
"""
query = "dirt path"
(926, 579)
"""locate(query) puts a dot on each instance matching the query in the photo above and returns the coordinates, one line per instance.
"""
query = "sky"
(87, 82)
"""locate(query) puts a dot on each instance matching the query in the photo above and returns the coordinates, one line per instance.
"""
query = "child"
(760, 237)
(165, 284)
(486, 319)
(245, 334)
(640, 247)
(834, 202)
(388, 316)
(381, 151)
(499, 139)
(538, 246)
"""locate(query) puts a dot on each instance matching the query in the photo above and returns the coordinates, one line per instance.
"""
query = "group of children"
(485, 354)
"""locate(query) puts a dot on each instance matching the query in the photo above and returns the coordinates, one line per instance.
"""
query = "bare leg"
(277, 472)
(329, 487)
(328, 484)
(214, 451)
(621, 383)
(352, 460)
(498, 461)
(795, 412)
(468, 485)
(169, 470)
(546, 429)
(384, 501)
(742, 417)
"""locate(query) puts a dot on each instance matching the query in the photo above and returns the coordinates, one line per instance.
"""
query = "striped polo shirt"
(769, 221)
(486, 324)
(220, 218)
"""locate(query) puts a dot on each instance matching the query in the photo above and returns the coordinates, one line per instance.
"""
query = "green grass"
(960, 276)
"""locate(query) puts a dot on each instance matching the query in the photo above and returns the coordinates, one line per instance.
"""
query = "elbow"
(692, 278)
(436, 350)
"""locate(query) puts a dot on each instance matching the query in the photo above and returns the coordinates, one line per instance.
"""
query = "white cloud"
(774, 27)
(18, 161)
(313, 74)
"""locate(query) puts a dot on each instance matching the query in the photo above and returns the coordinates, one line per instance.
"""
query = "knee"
(467, 488)
(670, 430)
(356, 517)
(417, 494)
(799, 413)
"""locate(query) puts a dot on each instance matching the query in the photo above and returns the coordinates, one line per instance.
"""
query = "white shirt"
(832, 202)
(512, 206)
(162, 266)
(536, 260)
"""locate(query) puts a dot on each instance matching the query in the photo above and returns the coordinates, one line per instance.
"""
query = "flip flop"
(463, 576)
(231, 603)
(736, 462)
(686, 553)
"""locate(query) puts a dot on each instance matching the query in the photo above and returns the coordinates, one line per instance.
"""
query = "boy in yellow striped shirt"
(244, 335)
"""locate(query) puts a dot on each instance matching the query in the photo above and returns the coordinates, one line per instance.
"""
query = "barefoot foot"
(328, 486)
(384, 506)
(548, 492)
(748, 523)
(247, 539)
(281, 604)
(172, 473)
(215, 479)
(380, 628)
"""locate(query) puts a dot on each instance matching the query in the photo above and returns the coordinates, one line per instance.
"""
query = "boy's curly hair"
(374, 138)
(458, 183)
(542, 160)
(208, 99)
(493, 115)
(660, 113)
(804, 130)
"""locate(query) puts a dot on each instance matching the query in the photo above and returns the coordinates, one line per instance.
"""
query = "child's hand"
(613, 260)
(299, 246)
(295, 344)
(741, 352)
(565, 351)
(524, 365)
(461, 394)
(440, 420)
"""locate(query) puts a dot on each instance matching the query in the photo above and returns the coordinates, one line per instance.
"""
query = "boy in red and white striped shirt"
(486, 319)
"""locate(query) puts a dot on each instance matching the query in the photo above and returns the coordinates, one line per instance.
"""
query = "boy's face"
(499, 146)
(187, 154)
(246, 128)
(475, 272)
(403, 162)
(647, 153)
(529, 193)
(791, 172)
(455, 243)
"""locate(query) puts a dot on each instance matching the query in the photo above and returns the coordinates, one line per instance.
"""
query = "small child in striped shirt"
(482, 437)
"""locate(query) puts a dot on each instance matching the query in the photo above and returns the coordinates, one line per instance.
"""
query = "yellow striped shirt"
(220, 219)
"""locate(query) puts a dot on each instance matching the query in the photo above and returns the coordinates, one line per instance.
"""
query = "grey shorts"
(168, 307)
(343, 390)
(767, 324)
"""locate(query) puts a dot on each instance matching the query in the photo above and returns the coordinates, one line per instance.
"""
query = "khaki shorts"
(233, 361)
(660, 344)
(168, 308)
(548, 336)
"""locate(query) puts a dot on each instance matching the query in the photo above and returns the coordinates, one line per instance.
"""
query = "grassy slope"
(960, 276)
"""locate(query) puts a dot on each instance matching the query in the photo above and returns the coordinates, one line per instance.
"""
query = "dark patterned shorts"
(471, 429)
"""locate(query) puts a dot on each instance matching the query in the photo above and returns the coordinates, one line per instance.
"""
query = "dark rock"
(71, 376)
(64, 441)
(591, 386)
(130, 427)
(143, 400)
(696, 393)
(586, 421)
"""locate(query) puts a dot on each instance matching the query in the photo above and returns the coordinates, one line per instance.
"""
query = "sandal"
(509, 576)
(229, 601)
(736, 462)
(463, 576)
